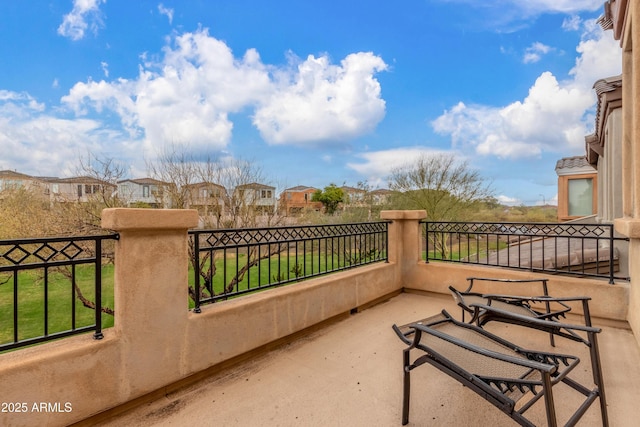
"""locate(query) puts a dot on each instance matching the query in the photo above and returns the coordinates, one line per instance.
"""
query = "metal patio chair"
(543, 307)
(511, 378)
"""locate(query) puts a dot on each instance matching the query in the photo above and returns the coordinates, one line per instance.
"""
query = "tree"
(24, 212)
(447, 189)
(444, 187)
(239, 203)
(223, 190)
(84, 217)
(107, 170)
(175, 166)
(330, 197)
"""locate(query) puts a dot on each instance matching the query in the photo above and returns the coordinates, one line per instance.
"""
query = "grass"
(283, 268)
(57, 290)
(472, 250)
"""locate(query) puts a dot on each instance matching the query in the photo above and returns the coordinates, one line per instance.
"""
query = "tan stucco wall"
(608, 301)
(231, 328)
(634, 292)
(629, 224)
(155, 340)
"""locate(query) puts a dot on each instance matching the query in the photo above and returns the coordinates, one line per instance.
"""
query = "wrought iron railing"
(44, 283)
(559, 248)
(233, 262)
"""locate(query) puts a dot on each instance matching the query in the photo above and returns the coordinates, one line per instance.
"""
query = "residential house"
(353, 196)
(207, 198)
(58, 190)
(255, 196)
(12, 180)
(76, 189)
(144, 191)
(577, 188)
(296, 200)
(380, 196)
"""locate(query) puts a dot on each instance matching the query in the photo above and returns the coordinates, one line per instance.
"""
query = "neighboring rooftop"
(300, 188)
(143, 181)
(572, 165)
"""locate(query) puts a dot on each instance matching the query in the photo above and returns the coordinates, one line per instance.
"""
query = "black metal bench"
(501, 372)
(542, 307)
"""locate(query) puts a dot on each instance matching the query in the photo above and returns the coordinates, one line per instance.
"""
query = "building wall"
(293, 201)
(610, 170)
(563, 194)
(132, 192)
(250, 196)
(629, 224)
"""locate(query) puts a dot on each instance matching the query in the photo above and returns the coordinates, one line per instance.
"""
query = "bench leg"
(596, 368)
(548, 400)
(406, 387)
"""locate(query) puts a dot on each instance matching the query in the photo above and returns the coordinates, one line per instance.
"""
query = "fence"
(41, 282)
(565, 248)
(233, 262)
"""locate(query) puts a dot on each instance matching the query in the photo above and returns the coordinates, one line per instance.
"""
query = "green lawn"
(31, 302)
(59, 293)
(273, 270)
(471, 250)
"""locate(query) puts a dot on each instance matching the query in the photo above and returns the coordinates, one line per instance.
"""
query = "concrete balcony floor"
(350, 374)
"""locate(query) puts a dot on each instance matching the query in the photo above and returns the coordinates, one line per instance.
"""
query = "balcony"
(319, 352)
(349, 373)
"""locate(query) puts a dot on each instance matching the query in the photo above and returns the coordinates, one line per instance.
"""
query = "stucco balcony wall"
(608, 302)
(156, 344)
(228, 329)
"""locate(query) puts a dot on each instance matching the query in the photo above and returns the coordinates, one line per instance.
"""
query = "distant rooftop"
(300, 188)
(143, 181)
(572, 165)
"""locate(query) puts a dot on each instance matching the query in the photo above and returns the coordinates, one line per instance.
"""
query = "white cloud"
(572, 23)
(553, 117)
(534, 52)
(39, 142)
(508, 16)
(508, 201)
(84, 16)
(562, 6)
(530, 8)
(105, 68)
(378, 165)
(188, 96)
(321, 101)
(18, 103)
(168, 12)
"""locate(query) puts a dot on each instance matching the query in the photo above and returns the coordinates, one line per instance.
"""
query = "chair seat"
(543, 307)
(476, 299)
(498, 370)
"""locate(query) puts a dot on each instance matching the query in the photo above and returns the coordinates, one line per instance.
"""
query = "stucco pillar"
(629, 224)
(405, 243)
(151, 293)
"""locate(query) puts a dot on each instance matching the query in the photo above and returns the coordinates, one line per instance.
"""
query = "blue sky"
(313, 92)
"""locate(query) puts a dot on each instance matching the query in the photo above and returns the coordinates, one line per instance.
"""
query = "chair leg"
(596, 368)
(406, 387)
(548, 400)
